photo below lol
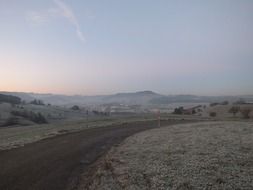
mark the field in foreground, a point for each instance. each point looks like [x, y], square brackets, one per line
[13, 137]
[61, 162]
[210, 155]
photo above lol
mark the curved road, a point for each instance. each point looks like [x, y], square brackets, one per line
[57, 163]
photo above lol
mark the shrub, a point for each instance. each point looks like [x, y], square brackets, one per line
[245, 112]
[75, 107]
[37, 102]
[178, 110]
[219, 103]
[241, 101]
[212, 114]
[11, 121]
[19, 113]
[214, 104]
[224, 103]
[35, 117]
[234, 110]
[95, 112]
[39, 118]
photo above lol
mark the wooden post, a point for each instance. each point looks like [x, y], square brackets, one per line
[87, 118]
[159, 118]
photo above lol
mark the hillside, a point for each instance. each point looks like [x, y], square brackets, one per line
[199, 99]
[142, 97]
[131, 98]
[9, 99]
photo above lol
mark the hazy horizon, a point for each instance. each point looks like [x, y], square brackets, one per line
[122, 92]
[98, 48]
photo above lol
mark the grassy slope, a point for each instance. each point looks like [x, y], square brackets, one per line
[222, 111]
[11, 137]
[213, 155]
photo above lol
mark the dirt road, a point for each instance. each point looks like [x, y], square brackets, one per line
[56, 163]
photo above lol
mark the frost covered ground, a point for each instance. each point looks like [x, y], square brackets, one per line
[210, 155]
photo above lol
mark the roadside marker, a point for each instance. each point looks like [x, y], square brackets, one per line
[158, 118]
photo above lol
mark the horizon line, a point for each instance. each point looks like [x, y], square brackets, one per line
[158, 93]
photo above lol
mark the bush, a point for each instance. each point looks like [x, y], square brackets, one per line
[241, 101]
[224, 103]
[11, 121]
[212, 114]
[75, 107]
[245, 112]
[37, 102]
[19, 113]
[178, 110]
[218, 103]
[214, 104]
[234, 110]
[39, 118]
[35, 117]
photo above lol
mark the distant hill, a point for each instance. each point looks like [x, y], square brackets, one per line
[10, 99]
[23, 95]
[199, 99]
[142, 97]
[131, 98]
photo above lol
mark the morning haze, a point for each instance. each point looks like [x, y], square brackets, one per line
[126, 94]
[94, 47]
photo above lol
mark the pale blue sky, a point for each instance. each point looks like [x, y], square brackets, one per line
[107, 46]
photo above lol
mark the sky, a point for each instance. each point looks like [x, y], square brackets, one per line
[91, 47]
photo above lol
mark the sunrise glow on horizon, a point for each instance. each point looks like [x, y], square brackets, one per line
[104, 47]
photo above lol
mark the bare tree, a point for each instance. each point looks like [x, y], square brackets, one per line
[234, 110]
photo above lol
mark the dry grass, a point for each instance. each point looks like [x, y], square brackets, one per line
[222, 111]
[210, 155]
[11, 137]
